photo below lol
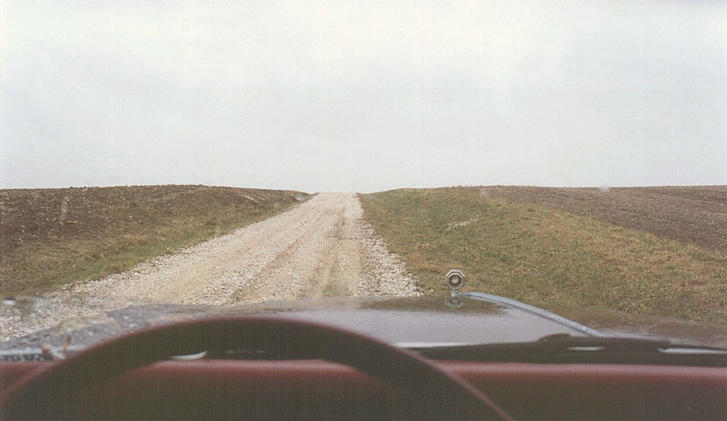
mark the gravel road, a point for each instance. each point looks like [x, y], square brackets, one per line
[320, 248]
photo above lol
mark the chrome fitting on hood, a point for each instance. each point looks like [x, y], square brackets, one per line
[455, 280]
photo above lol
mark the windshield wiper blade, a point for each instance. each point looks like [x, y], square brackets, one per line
[566, 348]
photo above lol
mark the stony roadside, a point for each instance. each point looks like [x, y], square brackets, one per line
[320, 248]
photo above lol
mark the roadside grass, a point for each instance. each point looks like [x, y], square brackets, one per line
[52, 237]
[546, 257]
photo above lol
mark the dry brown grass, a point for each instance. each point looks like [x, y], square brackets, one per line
[50, 237]
[547, 257]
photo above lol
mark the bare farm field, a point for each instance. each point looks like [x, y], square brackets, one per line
[695, 215]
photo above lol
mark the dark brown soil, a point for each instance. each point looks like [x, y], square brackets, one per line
[696, 215]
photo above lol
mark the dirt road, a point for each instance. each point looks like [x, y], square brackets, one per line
[319, 248]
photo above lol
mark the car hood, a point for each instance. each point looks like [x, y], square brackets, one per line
[407, 321]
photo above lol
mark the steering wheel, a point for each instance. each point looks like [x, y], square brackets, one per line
[447, 394]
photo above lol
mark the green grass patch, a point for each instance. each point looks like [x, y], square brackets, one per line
[546, 257]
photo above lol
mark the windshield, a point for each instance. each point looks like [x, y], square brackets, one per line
[161, 161]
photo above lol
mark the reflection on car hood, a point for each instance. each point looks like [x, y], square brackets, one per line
[410, 321]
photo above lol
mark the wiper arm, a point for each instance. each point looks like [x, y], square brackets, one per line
[564, 348]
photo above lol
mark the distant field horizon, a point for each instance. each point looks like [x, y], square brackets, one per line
[293, 188]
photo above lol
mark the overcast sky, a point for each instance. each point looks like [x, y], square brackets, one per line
[338, 96]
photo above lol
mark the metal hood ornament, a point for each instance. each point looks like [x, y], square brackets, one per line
[455, 280]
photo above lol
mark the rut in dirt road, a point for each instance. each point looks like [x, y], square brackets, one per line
[319, 248]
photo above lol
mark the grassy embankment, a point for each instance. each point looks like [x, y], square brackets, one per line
[51, 237]
[547, 257]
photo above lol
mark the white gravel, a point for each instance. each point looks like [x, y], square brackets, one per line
[320, 248]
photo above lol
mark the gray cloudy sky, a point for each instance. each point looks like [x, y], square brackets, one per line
[338, 96]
